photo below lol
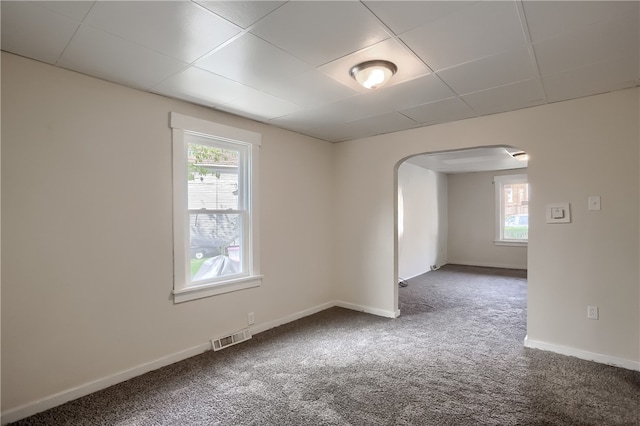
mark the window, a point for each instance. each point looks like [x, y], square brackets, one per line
[512, 209]
[214, 208]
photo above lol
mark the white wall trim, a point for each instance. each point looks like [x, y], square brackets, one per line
[579, 353]
[416, 275]
[185, 122]
[259, 328]
[367, 309]
[486, 264]
[186, 130]
[319, 308]
[60, 398]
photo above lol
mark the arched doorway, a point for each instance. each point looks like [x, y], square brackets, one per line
[424, 238]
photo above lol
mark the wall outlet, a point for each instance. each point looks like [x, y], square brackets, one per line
[592, 312]
[251, 319]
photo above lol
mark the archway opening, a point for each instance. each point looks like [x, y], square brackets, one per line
[461, 207]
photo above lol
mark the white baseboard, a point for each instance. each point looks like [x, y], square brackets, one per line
[305, 313]
[367, 309]
[59, 398]
[579, 353]
[486, 264]
[413, 276]
[424, 272]
[290, 318]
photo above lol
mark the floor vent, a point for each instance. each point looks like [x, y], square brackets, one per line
[225, 342]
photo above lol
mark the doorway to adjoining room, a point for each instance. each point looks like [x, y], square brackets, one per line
[465, 207]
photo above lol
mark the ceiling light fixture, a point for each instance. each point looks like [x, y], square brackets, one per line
[373, 74]
[521, 156]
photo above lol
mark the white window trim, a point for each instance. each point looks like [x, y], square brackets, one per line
[511, 243]
[182, 291]
[499, 182]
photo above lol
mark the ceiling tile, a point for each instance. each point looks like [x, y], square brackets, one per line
[491, 71]
[178, 29]
[484, 29]
[333, 29]
[205, 88]
[262, 105]
[441, 111]
[409, 66]
[71, 9]
[290, 66]
[402, 16]
[386, 123]
[97, 53]
[599, 42]
[336, 132]
[310, 118]
[242, 113]
[348, 110]
[371, 126]
[35, 32]
[309, 89]
[549, 19]
[419, 91]
[357, 107]
[252, 61]
[522, 94]
[199, 86]
[241, 13]
[469, 160]
[289, 122]
[333, 133]
[592, 79]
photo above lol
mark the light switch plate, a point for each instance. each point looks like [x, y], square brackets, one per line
[558, 213]
[594, 202]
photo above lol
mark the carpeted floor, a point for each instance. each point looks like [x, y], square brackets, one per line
[454, 357]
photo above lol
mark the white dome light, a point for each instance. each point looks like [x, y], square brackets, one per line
[373, 74]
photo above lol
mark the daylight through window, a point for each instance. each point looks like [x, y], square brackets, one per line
[512, 209]
[215, 212]
[217, 209]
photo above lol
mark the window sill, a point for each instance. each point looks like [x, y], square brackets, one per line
[512, 243]
[208, 290]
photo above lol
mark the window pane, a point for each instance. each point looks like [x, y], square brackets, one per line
[212, 178]
[215, 245]
[214, 208]
[516, 211]
[214, 237]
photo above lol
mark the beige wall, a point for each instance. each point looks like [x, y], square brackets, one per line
[578, 148]
[472, 212]
[86, 221]
[87, 240]
[422, 236]
[590, 147]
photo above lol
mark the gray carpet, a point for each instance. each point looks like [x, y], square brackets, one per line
[454, 357]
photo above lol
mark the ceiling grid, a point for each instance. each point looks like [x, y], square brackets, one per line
[287, 63]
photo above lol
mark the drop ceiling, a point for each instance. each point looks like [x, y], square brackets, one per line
[470, 160]
[287, 63]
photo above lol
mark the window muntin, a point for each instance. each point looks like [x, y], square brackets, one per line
[512, 209]
[215, 208]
